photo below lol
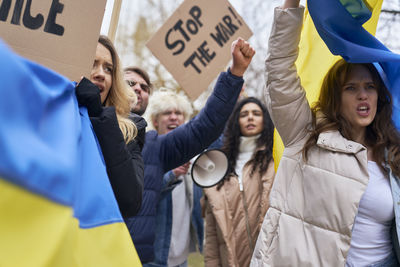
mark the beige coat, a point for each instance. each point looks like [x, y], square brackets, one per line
[227, 240]
[312, 205]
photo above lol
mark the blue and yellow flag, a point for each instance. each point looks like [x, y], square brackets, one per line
[315, 59]
[339, 23]
[57, 206]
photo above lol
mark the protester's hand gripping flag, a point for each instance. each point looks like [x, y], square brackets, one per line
[315, 59]
[57, 207]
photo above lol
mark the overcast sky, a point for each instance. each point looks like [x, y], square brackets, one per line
[237, 4]
[107, 17]
[388, 38]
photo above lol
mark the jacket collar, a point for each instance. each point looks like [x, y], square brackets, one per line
[334, 141]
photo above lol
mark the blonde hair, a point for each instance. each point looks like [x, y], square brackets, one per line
[120, 96]
[165, 99]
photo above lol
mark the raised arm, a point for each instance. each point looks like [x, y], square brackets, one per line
[285, 98]
[290, 4]
[189, 139]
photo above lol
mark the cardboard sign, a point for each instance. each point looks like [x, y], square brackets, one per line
[59, 34]
[194, 44]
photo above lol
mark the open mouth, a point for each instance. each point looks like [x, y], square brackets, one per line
[139, 98]
[363, 110]
[172, 126]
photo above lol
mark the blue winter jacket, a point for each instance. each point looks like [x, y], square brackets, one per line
[165, 217]
[162, 153]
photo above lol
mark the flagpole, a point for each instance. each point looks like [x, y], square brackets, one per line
[112, 30]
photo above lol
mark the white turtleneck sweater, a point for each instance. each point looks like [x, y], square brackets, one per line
[246, 149]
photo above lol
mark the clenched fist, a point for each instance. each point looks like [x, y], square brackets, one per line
[242, 54]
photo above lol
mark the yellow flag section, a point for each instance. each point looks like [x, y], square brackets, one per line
[315, 60]
[57, 206]
[37, 232]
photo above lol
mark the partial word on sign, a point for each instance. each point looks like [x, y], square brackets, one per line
[30, 21]
[190, 27]
[224, 31]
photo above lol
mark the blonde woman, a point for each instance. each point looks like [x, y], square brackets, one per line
[108, 100]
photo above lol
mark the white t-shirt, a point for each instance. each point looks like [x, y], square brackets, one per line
[371, 239]
[181, 215]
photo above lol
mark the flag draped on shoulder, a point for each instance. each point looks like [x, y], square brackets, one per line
[56, 203]
[316, 55]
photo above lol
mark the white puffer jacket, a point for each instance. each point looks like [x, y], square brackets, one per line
[312, 205]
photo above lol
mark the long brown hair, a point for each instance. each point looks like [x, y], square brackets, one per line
[120, 96]
[381, 134]
[261, 158]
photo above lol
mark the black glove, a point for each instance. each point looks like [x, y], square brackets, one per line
[88, 95]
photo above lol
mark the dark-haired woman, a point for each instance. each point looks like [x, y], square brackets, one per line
[236, 206]
[336, 194]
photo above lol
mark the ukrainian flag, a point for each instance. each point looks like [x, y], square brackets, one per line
[335, 20]
[340, 25]
[57, 207]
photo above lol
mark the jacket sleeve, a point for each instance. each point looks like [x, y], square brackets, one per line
[191, 138]
[124, 163]
[170, 181]
[211, 247]
[217, 144]
[267, 181]
[286, 99]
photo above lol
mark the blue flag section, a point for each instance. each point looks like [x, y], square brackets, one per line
[339, 23]
[56, 203]
[37, 111]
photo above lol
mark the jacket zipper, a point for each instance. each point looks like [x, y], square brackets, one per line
[250, 239]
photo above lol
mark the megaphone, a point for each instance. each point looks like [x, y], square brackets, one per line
[209, 168]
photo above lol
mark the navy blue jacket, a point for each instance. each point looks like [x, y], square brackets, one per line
[162, 153]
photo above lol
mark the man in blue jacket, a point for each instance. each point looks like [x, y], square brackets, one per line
[162, 153]
[179, 223]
